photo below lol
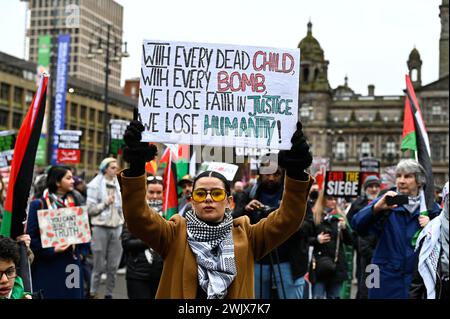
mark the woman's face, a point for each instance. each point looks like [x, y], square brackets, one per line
[330, 202]
[66, 183]
[154, 191]
[406, 183]
[210, 210]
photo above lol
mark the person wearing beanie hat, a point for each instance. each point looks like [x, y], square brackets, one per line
[105, 210]
[364, 245]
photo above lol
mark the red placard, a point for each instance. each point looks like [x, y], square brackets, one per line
[67, 156]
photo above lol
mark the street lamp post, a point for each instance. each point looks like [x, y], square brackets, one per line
[118, 54]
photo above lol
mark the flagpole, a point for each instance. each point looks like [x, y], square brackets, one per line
[168, 181]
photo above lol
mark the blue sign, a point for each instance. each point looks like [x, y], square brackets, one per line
[60, 91]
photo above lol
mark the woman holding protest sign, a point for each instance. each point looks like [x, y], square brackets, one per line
[207, 254]
[56, 270]
[329, 269]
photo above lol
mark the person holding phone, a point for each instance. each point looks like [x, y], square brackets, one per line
[395, 218]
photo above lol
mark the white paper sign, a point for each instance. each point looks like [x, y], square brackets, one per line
[227, 170]
[69, 225]
[218, 95]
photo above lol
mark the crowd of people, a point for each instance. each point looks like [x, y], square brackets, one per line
[281, 237]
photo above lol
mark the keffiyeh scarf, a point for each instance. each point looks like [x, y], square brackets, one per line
[213, 247]
[435, 238]
[55, 202]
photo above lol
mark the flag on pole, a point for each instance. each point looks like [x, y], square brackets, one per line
[22, 164]
[170, 196]
[415, 138]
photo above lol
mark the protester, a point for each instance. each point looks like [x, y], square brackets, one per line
[11, 285]
[144, 265]
[364, 245]
[48, 270]
[105, 209]
[395, 227]
[208, 254]
[184, 202]
[239, 197]
[280, 274]
[430, 279]
[329, 267]
[80, 189]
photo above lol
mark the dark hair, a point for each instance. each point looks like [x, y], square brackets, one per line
[225, 182]
[152, 179]
[55, 175]
[9, 251]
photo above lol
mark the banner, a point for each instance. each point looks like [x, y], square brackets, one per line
[7, 142]
[60, 92]
[368, 166]
[342, 184]
[44, 50]
[64, 226]
[227, 170]
[68, 147]
[218, 95]
[118, 128]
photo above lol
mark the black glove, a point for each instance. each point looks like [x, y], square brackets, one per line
[298, 158]
[135, 152]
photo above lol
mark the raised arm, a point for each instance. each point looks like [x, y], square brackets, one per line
[273, 230]
[282, 223]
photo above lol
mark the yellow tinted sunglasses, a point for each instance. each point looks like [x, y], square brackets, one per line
[217, 194]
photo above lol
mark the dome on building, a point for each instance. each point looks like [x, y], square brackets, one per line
[343, 90]
[310, 49]
[414, 55]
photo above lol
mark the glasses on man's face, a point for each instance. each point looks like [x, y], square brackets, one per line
[152, 178]
[10, 273]
[217, 194]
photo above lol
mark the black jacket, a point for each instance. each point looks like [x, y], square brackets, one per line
[364, 245]
[137, 265]
[329, 249]
[295, 249]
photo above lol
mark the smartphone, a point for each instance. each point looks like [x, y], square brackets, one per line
[397, 200]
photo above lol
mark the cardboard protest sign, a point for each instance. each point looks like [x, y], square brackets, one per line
[69, 225]
[342, 184]
[318, 169]
[68, 147]
[218, 95]
[118, 128]
[227, 170]
[7, 142]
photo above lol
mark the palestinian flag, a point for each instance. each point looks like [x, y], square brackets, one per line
[151, 167]
[415, 138]
[170, 196]
[22, 165]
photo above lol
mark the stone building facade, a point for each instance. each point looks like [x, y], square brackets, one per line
[345, 127]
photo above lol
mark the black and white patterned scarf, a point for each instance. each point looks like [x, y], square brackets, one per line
[213, 247]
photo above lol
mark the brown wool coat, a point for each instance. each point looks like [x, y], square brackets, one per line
[169, 238]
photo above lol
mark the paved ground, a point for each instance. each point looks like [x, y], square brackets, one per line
[120, 291]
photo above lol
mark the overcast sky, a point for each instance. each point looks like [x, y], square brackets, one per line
[367, 40]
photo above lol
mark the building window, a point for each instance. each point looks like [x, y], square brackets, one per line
[365, 150]
[29, 97]
[83, 113]
[17, 120]
[4, 91]
[18, 93]
[436, 110]
[340, 149]
[3, 118]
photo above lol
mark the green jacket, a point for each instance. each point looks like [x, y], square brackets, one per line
[18, 291]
